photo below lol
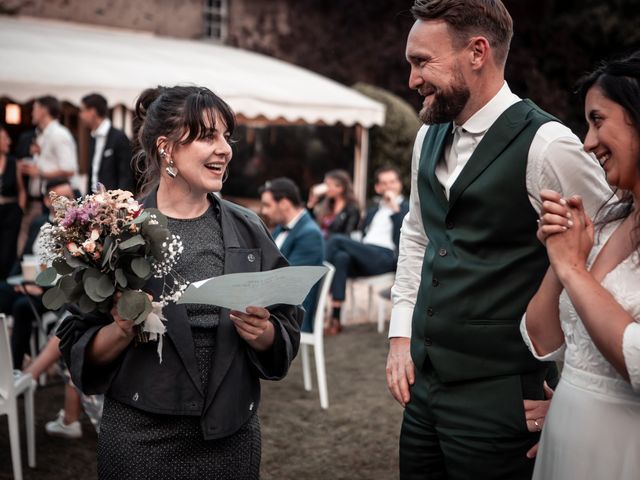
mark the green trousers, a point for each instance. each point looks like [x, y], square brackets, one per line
[468, 430]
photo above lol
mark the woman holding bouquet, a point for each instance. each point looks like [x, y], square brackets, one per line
[194, 414]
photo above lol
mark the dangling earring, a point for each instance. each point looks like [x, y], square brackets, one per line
[171, 169]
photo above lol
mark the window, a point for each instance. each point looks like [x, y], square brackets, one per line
[215, 15]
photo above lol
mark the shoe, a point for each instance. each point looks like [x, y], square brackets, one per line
[333, 328]
[57, 427]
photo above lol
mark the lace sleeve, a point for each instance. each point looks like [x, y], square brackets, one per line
[555, 355]
[631, 352]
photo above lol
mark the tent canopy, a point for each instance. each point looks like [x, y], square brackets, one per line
[69, 60]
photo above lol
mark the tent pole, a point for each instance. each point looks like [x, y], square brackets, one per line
[361, 164]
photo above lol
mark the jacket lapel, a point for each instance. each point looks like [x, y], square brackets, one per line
[507, 127]
[236, 259]
[436, 144]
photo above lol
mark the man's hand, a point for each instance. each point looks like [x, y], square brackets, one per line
[400, 369]
[390, 199]
[535, 412]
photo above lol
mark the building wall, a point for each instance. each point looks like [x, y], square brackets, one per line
[259, 25]
[174, 18]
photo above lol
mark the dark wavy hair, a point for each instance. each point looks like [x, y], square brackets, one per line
[619, 81]
[183, 114]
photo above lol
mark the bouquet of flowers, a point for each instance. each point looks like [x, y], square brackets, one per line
[105, 243]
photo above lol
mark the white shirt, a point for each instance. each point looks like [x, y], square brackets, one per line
[380, 231]
[556, 161]
[57, 152]
[282, 236]
[100, 136]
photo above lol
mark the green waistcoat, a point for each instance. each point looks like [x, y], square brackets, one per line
[483, 262]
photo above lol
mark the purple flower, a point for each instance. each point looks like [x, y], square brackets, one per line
[69, 217]
[87, 212]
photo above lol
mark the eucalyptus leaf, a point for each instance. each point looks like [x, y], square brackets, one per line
[141, 218]
[67, 284]
[135, 241]
[141, 267]
[74, 262]
[107, 250]
[61, 266]
[47, 277]
[92, 290]
[54, 298]
[131, 304]
[145, 313]
[121, 278]
[86, 305]
[105, 286]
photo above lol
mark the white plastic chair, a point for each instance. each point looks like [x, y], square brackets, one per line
[316, 340]
[12, 384]
[374, 283]
[40, 336]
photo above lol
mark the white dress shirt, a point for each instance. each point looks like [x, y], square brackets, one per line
[100, 136]
[57, 152]
[556, 161]
[380, 231]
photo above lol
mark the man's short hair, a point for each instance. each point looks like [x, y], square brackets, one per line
[51, 104]
[282, 187]
[384, 169]
[97, 102]
[466, 18]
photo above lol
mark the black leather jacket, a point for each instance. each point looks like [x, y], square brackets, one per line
[173, 387]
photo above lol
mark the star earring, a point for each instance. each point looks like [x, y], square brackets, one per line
[171, 169]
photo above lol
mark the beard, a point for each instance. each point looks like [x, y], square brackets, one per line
[447, 104]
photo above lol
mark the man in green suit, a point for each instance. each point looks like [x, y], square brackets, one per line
[469, 258]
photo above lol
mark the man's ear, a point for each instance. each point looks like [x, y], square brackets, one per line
[479, 51]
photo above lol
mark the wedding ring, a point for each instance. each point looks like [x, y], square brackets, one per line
[538, 426]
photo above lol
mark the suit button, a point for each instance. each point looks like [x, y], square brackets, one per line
[251, 257]
[193, 405]
[435, 282]
[136, 397]
[428, 342]
[430, 311]
[442, 252]
[449, 224]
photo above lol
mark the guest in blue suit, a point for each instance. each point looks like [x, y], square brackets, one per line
[297, 235]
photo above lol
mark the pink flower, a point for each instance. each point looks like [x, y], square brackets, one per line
[74, 249]
[89, 246]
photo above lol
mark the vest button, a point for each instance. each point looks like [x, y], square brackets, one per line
[435, 282]
[442, 252]
[428, 342]
[449, 224]
[430, 311]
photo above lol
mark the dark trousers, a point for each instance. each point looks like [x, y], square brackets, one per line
[10, 218]
[467, 430]
[355, 259]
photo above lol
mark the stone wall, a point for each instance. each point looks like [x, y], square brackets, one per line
[174, 18]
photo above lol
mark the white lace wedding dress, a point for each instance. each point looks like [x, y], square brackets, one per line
[592, 429]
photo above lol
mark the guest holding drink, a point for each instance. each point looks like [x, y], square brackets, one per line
[334, 205]
[587, 310]
[193, 415]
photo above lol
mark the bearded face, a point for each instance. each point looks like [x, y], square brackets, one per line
[444, 104]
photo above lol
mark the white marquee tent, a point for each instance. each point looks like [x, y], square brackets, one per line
[69, 60]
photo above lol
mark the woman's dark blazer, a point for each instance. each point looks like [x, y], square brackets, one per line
[173, 387]
[346, 221]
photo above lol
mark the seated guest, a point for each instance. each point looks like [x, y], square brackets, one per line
[334, 205]
[109, 151]
[378, 251]
[13, 300]
[296, 235]
[67, 423]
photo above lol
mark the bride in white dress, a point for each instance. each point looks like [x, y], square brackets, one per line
[587, 310]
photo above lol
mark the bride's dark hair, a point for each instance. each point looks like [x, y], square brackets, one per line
[182, 114]
[619, 81]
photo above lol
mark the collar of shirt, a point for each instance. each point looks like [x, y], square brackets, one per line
[480, 121]
[294, 221]
[102, 130]
[49, 129]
